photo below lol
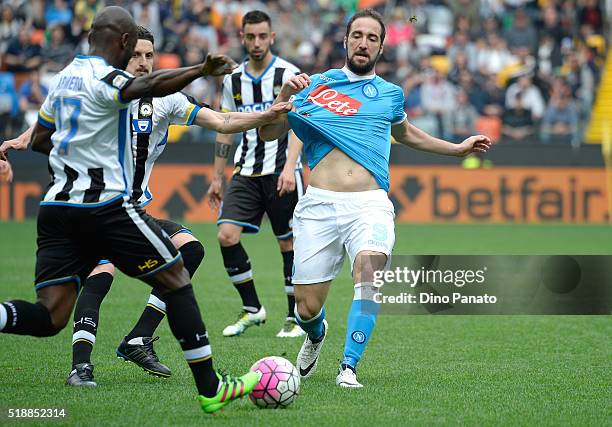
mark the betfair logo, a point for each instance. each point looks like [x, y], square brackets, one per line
[149, 264]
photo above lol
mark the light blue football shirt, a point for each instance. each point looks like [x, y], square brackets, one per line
[351, 112]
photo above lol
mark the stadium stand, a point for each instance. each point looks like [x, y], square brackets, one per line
[526, 69]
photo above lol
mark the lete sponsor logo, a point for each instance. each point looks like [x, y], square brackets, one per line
[334, 101]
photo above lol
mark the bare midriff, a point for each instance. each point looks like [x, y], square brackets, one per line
[338, 172]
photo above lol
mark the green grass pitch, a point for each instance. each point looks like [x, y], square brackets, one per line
[418, 370]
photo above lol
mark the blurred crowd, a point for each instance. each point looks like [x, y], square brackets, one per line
[513, 69]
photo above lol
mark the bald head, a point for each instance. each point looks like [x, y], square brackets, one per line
[113, 35]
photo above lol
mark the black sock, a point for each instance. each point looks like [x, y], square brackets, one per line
[87, 315]
[151, 317]
[238, 267]
[288, 272]
[155, 310]
[188, 328]
[193, 254]
[26, 318]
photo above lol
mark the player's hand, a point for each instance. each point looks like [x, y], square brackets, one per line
[295, 85]
[215, 193]
[474, 144]
[286, 181]
[6, 171]
[14, 144]
[218, 65]
[277, 110]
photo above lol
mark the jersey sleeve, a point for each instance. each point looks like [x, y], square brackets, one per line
[398, 114]
[46, 114]
[227, 98]
[182, 109]
[109, 90]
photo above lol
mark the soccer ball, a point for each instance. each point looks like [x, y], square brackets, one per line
[279, 384]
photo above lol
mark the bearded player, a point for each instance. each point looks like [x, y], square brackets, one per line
[345, 119]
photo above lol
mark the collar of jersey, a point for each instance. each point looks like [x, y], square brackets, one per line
[258, 79]
[91, 56]
[356, 77]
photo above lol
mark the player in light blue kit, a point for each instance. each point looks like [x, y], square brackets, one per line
[345, 119]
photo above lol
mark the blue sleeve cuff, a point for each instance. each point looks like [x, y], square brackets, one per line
[45, 123]
[193, 115]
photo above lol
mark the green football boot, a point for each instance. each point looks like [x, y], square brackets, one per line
[230, 388]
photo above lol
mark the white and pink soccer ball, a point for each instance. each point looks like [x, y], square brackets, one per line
[279, 384]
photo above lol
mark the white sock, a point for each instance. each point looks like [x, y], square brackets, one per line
[3, 317]
[136, 341]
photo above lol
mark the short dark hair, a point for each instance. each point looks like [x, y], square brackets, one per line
[144, 34]
[255, 17]
[368, 13]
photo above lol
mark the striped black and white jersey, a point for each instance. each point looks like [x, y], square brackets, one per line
[151, 118]
[91, 161]
[244, 93]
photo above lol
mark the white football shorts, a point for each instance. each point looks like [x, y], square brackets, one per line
[326, 224]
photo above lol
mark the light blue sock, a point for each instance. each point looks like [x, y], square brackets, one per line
[313, 327]
[360, 323]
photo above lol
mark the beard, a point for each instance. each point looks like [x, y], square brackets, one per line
[261, 55]
[361, 68]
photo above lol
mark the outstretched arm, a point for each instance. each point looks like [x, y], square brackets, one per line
[280, 127]
[407, 134]
[19, 143]
[165, 82]
[232, 122]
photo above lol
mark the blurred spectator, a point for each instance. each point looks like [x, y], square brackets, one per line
[9, 27]
[58, 13]
[494, 55]
[9, 106]
[399, 30]
[31, 96]
[86, 10]
[463, 45]
[521, 33]
[518, 122]
[560, 123]
[147, 14]
[477, 97]
[203, 33]
[459, 66]
[523, 63]
[494, 99]
[549, 56]
[439, 19]
[21, 54]
[580, 76]
[470, 9]
[438, 98]
[59, 52]
[590, 14]
[524, 95]
[551, 25]
[414, 105]
[461, 121]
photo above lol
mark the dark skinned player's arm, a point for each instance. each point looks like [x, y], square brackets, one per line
[161, 83]
[166, 82]
[41, 139]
